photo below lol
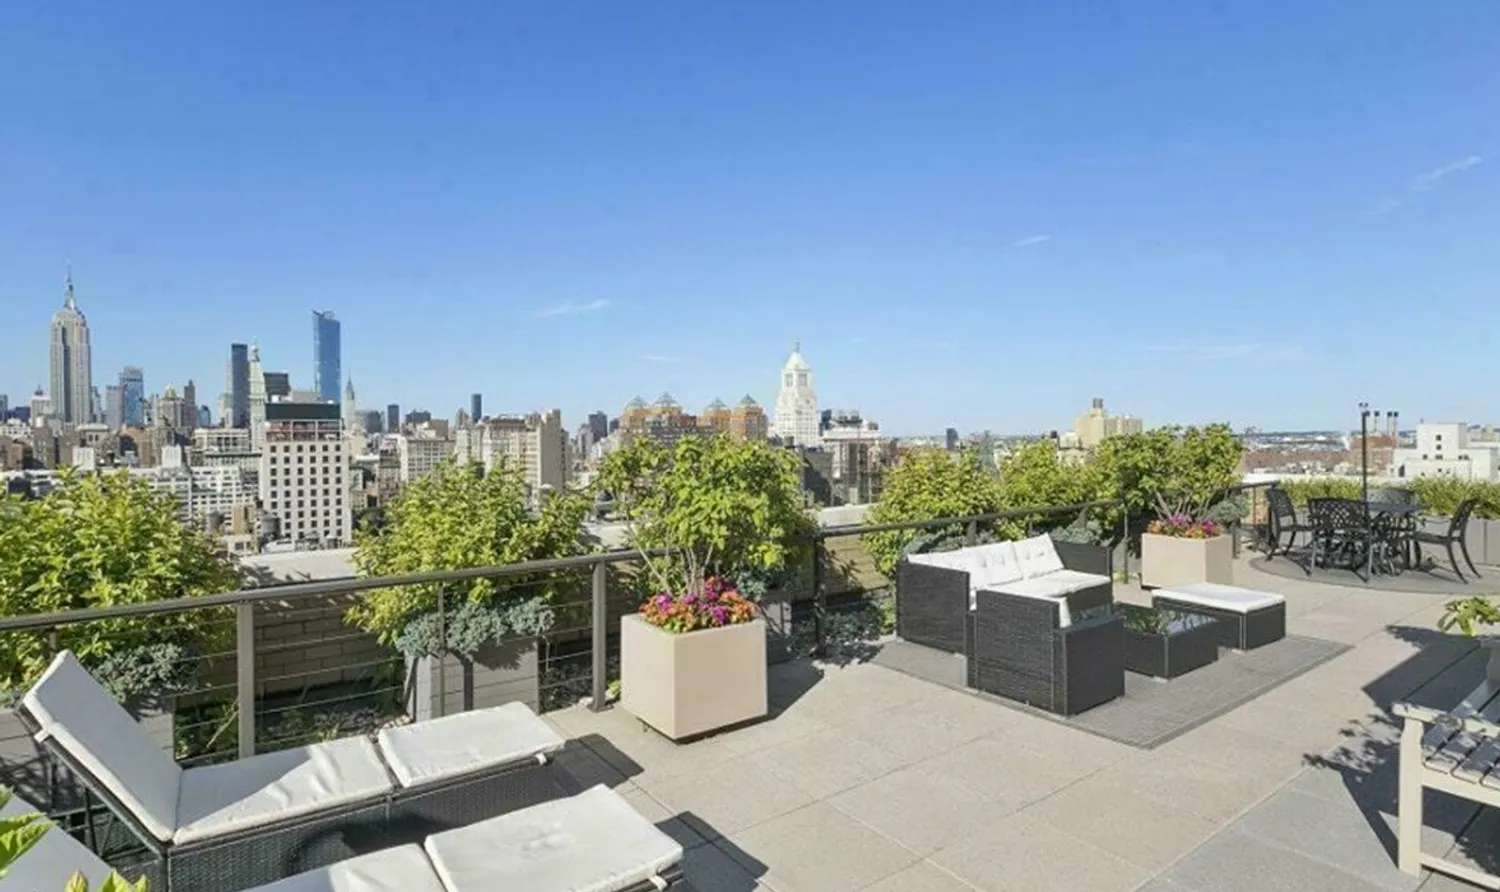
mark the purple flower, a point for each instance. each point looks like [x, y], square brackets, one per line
[718, 613]
[663, 601]
[691, 599]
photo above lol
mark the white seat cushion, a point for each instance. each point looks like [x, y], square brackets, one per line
[1221, 597]
[70, 707]
[53, 860]
[235, 796]
[402, 869]
[947, 560]
[592, 842]
[1075, 580]
[465, 743]
[1037, 556]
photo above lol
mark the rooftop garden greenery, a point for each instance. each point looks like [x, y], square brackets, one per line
[457, 517]
[1189, 470]
[724, 508]
[105, 541]
[1438, 496]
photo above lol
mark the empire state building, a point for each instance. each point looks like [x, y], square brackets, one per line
[72, 363]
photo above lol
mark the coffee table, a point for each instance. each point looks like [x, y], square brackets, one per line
[1248, 618]
[1166, 643]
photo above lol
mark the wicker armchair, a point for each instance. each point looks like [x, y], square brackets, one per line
[1020, 648]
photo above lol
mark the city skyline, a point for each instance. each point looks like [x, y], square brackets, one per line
[964, 227]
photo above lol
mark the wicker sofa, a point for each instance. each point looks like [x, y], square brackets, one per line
[1034, 619]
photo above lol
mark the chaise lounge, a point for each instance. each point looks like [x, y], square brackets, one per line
[593, 841]
[274, 814]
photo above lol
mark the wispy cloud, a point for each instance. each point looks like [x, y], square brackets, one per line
[1424, 182]
[657, 357]
[1029, 241]
[1266, 349]
[571, 309]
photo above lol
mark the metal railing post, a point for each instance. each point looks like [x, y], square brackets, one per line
[244, 660]
[820, 604]
[600, 637]
[1125, 540]
[442, 656]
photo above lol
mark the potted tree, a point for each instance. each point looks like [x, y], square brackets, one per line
[712, 517]
[472, 643]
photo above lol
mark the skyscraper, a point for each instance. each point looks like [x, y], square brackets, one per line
[393, 418]
[598, 426]
[114, 407]
[797, 418]
[326, 356]
[190, 400]
[239, 386]
[351, 408]
[257, 376]
[132, 397]
[476, 406]
[72, 363]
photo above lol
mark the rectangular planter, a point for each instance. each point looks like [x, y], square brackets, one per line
[23, 769]
[688, 685]
[498, 674]
[1170, 560]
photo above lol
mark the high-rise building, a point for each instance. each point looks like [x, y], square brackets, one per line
[114, 407]
[392, 418]
[327, 362]
[72, 362]
[350, 408]
[476, 406]
[714, 417]
[536, 444]
[239, 386]
[132, 396]
[419, 455]
[418, 416]
[4, 406]
[190, 407]
[598, 426]
[302, 471]
[257, 414]
[950, 439]
[371, 421]
[1096, 425]
[797, 419]
[278, 385]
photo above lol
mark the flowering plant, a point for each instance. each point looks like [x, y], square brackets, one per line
[1182, 526]
[717, 602]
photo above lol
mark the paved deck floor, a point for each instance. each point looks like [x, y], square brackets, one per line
[868, 779]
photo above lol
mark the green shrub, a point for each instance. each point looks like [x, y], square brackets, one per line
[928, 484]
[1179, 470]
[459, 517]
[106, 541]
[1442, 495]
[1321, 488]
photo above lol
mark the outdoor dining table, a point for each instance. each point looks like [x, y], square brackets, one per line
[1399, 521]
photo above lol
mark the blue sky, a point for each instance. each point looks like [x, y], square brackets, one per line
[977, 214]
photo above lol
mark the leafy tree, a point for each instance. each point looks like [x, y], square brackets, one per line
[1035, 476]
[460, 517]
[725, 507]
[105, 541]
[1166, 470]
[928, 484]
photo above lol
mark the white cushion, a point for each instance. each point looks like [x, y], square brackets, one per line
[592, 842]
[947, 560]
[1221, 597]
[1075, 580]
[53, 860]
[70, 707]
[234, 796]
[1001, 563]
[402, 869]
[1037, 556]
[466, 742]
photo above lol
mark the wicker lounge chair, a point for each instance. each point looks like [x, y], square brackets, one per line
[279, 813]
[596, 842]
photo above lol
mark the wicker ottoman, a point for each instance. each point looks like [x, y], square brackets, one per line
[1247, 618]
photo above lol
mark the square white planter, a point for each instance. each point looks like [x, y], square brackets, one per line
[1171, 560]
[687, 685]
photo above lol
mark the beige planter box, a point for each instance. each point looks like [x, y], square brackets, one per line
[1168, 560]
[687, 685]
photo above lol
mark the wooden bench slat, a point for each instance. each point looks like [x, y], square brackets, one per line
[1451, 755]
